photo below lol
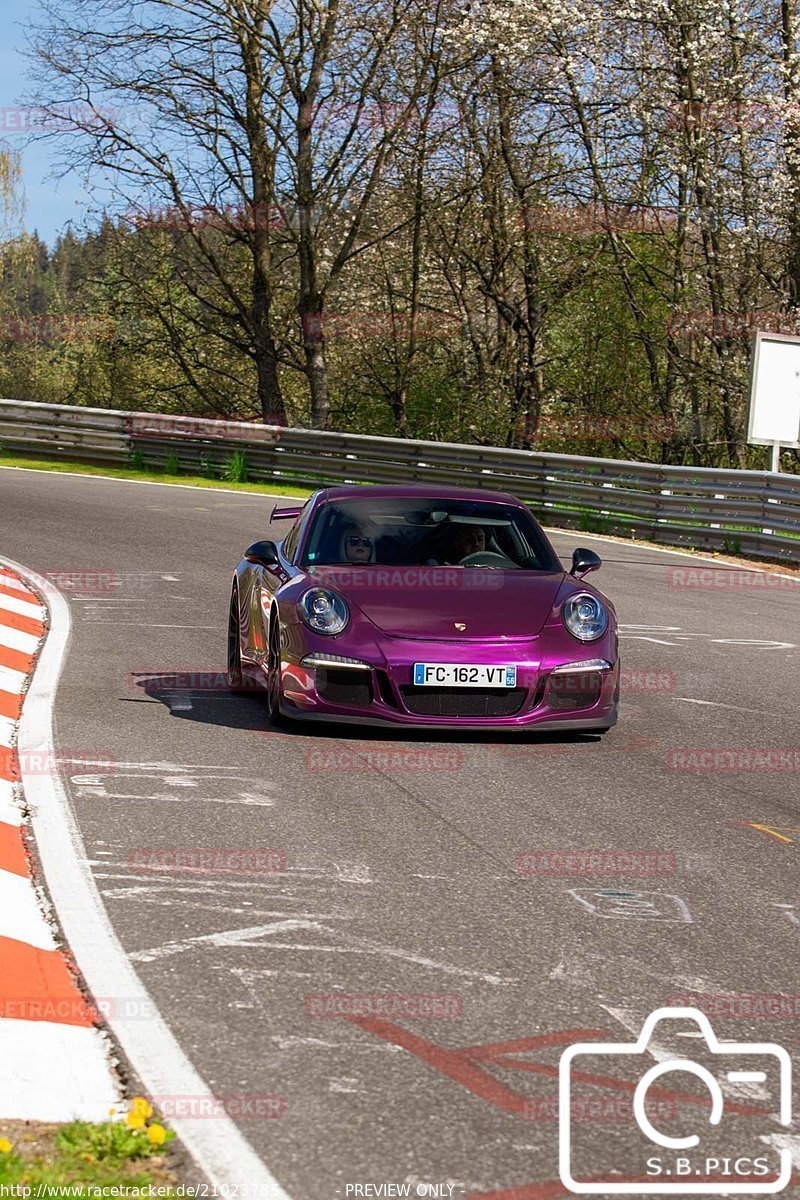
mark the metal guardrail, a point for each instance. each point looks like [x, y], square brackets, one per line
[749, 512]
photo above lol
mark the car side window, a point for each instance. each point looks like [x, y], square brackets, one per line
[293, 536]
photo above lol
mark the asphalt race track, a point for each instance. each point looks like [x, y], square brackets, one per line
[402, 856]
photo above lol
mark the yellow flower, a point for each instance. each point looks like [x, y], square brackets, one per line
[88, 1158]
[157, 1135]
[5, 1146]
[141, 1107]
[112, 1112]
[135, 1120]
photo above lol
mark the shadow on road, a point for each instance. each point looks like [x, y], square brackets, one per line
[206, 697]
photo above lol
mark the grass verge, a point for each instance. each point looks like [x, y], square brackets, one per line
[72, 468]
[52, 1162]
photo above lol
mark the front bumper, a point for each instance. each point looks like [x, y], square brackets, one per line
[556, 689]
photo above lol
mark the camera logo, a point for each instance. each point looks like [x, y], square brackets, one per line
[685, 1163]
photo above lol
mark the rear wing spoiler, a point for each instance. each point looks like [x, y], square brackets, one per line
[287, 512]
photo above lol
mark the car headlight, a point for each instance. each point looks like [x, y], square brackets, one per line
[585, 617]
[323, 611]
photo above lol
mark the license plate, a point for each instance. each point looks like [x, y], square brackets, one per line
[463, 675]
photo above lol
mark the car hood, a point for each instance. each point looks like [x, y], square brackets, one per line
[429, 602]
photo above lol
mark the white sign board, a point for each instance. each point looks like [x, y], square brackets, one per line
[775, 391]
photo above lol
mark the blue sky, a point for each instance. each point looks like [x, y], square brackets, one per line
[51, 203]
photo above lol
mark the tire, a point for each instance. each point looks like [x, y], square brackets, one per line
[276, 717]
[235, 673]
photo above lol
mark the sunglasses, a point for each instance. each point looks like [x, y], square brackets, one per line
[354, 540]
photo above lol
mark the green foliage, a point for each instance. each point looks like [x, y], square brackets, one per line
[76, 468]
[112, 1143]
[235, 468]
[591, 523]
[171, 465]
[81, 1155]
[81, 326]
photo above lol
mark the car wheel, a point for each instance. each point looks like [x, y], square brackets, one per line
[274, 672]
[235, 675]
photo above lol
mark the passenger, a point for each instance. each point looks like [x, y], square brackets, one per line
[357, 547]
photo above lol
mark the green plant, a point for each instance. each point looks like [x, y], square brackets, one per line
[208, 467]
[589, 523]
[235, 469]
[119, 1154]
[732, 545]
[136, 460]
[171, 465]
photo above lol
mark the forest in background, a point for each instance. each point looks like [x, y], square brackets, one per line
[509, 222]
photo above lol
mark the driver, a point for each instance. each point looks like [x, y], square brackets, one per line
[466, 540]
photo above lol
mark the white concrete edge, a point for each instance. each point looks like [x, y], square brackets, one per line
[216, 1145]
[55, 1072]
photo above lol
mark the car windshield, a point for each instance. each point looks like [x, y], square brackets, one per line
[429, 532]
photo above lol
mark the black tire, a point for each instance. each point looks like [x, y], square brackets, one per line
[274, 672]
[235, 673]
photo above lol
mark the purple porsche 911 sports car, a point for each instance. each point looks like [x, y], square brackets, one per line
[433, 607]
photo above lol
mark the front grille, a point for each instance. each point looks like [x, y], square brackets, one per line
[340, 685]
[569, 692]
[463, 702]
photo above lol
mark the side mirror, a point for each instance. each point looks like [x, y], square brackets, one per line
[264, 553]
[584, 561]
